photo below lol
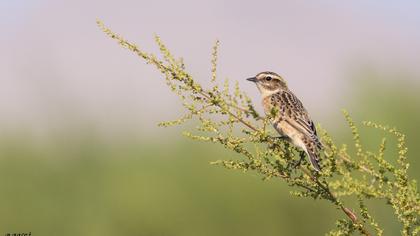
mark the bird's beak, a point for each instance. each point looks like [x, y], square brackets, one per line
[252, 79]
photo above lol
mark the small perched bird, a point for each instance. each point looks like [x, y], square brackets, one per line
[291, 119]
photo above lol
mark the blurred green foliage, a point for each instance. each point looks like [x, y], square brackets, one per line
[93, 188]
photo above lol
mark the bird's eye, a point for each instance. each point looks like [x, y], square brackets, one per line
[268, 78]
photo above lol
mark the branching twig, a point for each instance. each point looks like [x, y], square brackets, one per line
[223, 114]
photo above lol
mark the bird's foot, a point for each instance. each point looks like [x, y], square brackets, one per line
[278, 138]
[302, 157]
[282, 138]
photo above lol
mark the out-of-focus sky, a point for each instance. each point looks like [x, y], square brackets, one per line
[57, 68]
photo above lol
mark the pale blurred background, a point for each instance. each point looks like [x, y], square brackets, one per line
[80, 152]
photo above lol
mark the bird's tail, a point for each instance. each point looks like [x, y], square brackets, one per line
[313, 158]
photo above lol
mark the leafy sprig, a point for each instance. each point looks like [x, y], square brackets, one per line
[226, 116]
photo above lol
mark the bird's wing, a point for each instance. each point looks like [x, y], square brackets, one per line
[292, 111]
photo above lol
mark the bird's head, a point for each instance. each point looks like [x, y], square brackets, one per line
[268, 82]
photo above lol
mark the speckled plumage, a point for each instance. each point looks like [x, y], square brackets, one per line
[291, 119]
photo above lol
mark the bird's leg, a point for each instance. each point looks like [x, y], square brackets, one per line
[302, 157]
[282, 138]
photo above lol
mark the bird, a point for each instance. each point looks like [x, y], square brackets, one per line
[288, 115]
